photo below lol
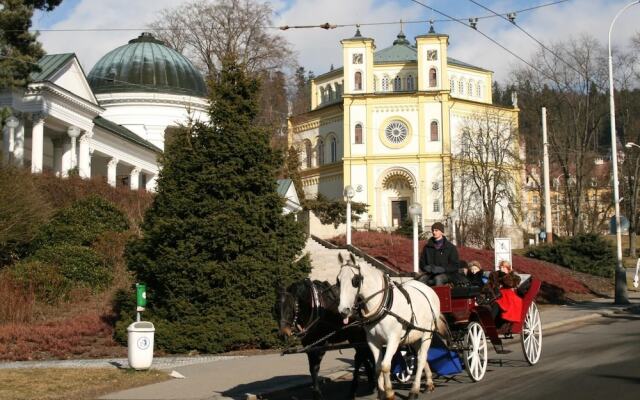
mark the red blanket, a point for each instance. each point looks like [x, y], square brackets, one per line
[510, 304]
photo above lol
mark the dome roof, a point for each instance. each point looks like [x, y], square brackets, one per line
[146, 65]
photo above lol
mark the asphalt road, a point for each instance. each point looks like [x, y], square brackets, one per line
[599, 360]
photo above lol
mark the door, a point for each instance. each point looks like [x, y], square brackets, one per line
[398, 212]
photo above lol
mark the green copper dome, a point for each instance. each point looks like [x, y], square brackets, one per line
[146, 65]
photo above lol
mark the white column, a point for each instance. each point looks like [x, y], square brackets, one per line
[152, 183]
[7, 141]
[134, 178]
[58, 145]
[84, 162]
[18, 148]
[111, 171]
[37, 143]
[66, 162]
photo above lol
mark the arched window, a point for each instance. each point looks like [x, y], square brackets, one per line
[323, 96]
[410, 82]
[461, 86]
[479, 89]
[334, 150]
[470, 88]
[397, 84]
[436, 206]
[452, 85]
[357, 81]
[308, 153]
[320, 151]
[434, 131]
[385, 83]
[358, 134]
[329, 93]
[433, 78]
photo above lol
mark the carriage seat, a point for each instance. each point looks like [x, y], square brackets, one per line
[468, 291]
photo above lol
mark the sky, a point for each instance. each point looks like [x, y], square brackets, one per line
[317, 49]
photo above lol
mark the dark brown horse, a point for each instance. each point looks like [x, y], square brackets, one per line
[309, 309]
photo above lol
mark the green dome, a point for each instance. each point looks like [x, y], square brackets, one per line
[146, 65]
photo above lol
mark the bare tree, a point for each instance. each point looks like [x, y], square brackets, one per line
[209, 30]
[575, 97]
[487, 168]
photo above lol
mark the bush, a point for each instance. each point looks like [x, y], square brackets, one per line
[80, 265]
[17, 301]
[82, 223]
[334, 211]
[406, 229]
[45, 280]
[589, 253]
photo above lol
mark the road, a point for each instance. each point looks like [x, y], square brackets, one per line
[599, 360]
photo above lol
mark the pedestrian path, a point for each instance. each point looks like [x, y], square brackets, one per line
[162, 363]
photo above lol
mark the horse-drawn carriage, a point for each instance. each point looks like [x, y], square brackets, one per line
[415, 314]
[470, 324]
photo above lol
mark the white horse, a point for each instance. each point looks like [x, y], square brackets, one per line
[391, 317]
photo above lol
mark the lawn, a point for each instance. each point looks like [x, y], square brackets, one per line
[71, 383]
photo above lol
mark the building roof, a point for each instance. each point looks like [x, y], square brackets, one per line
[49, 65]
[124, 133]
[145, 64]
[283, 186]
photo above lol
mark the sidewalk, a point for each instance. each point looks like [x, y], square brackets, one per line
[224, 377]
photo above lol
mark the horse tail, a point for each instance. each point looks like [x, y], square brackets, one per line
[442, 327]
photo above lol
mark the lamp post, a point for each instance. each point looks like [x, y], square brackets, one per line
[12, 123]
[349, 193]
[415, 211]
[621, 296]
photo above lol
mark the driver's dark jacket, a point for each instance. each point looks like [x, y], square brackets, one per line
[445, 257]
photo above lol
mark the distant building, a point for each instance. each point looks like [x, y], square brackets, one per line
[388, 123]
[110, 123]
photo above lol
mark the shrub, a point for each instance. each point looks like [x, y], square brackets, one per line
[589, 253]
[79, 264]
[45, 280]
[22, 212]
[82, 223]
[17, 301]
[334, 211]
[406, 229]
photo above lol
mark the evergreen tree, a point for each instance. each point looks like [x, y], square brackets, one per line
[215, 244]
[292, 171]
[19, 50]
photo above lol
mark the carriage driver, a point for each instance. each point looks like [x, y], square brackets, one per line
[439, 258]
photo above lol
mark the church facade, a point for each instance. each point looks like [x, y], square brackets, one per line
[108, 124]
[388, 124]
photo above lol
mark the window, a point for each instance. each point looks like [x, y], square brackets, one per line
[435, 186]
[452, 85]
[479, 89]
[358, 134]
[320, 150]
[329, 90]
[397, 84]
[385, 83]
[436, 206]
[433, 77]
[334, 150]
[308, 151]
[461, 86]
[396, 132]
[470, 88]
[410, 82]
[432, 55]
[357, 81]
[357, 58]
[434, 131]
[323, 96]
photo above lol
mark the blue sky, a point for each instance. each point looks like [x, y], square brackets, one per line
[317, 49]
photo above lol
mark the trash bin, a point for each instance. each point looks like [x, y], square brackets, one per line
[140, 343]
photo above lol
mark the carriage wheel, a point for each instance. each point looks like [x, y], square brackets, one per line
[407, 366]
[531, 336]
[475, 351]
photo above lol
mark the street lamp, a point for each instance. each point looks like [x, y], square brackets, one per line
[630, 145]
[415, 211]
[349, 193]
[621, 296]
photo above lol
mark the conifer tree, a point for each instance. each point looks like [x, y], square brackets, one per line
[215, 244]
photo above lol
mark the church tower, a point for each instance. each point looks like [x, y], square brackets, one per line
[357, 53]
[432, 61]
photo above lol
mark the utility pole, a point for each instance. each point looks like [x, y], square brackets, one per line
[547, 187]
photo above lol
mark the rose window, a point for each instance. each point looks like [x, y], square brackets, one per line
[396, 132]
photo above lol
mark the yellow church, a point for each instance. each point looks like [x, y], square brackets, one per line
[387, 123]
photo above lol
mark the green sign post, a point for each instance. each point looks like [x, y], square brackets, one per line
[141, 298]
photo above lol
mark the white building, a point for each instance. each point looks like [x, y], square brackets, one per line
[110, 123]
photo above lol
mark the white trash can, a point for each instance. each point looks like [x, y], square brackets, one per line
[140, 343]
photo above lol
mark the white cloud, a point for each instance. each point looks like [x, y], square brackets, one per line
[317, 48]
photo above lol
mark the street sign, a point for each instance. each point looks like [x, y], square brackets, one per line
[543, 236]
[502, 251]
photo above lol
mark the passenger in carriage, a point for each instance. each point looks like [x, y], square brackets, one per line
[439, 258]
[475, 274]
[508, 303]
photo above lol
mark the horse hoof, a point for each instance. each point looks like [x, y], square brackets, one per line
[431, 387]
[413, 396]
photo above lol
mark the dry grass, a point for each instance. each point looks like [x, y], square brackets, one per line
[72, 383]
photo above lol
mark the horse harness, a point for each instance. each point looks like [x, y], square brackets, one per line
[387, 302]
[317, 310]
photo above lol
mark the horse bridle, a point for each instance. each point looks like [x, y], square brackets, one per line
[356, 282]
[314, 315]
